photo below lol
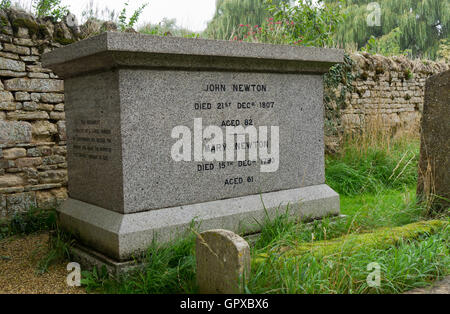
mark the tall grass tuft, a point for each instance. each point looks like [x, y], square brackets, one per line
[374, 160]
[168, 269]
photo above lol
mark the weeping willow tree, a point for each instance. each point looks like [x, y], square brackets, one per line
[231, 13]
[420, 25]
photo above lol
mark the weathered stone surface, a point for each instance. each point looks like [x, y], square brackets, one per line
[14, 153]
[11, 65]
[53, 160]
[15, 132]
[16, 49]
[9, 106]
[9, 180]
[51, 199]
[6, 164]
[223, 262]
[52, 98]
[434, 166]
[29, 106]
[20, 202]
[28, 162]
[53, 176]
[34, 85]
[62, 130]
[44, 128]
[25, 115]
[6, 96]
[201, 54]
[40, 151]
[22, 96]
[24, 42]
[57, 115]
[8, 73]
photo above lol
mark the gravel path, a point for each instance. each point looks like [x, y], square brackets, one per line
[18, 259]
[440, 287]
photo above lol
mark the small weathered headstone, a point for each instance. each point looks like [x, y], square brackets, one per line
[434, 167]
[223, 262]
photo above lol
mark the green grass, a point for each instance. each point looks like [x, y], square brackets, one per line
[168, 269]
[404, 266]
[357, 171]
[28, 222]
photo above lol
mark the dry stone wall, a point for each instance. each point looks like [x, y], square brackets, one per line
[33, 169]
[387, 93]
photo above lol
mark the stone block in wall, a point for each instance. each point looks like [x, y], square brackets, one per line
[6, 96]
[53, 160]
[20, 50]
[20, 202]
[22, 96]
[53, 176]
[34, 85]
[24, 42]
[52, 98]
[43, 128]
[62, 130]
[14, 153]
[10, 180]
[15, 132]
[10, 106]
[29, 106]
[51, 199]
[11, 65]
[28, 162]
[57, 115]
[27, 115]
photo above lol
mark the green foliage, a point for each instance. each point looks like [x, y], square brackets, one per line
[387, 45]
[444, 50]
[230, 13]
[354, 171]
[5, 4]
[168, 27]
[420, 24]
[168, 269]
[52, 8]
[31, 221]
[351, 243]
[405, 265]
[300, 23]
[339, 78]
[123, 24]
[306, 22]
[60, 244]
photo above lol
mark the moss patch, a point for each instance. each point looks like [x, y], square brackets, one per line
[32, 26]
[349, 244]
